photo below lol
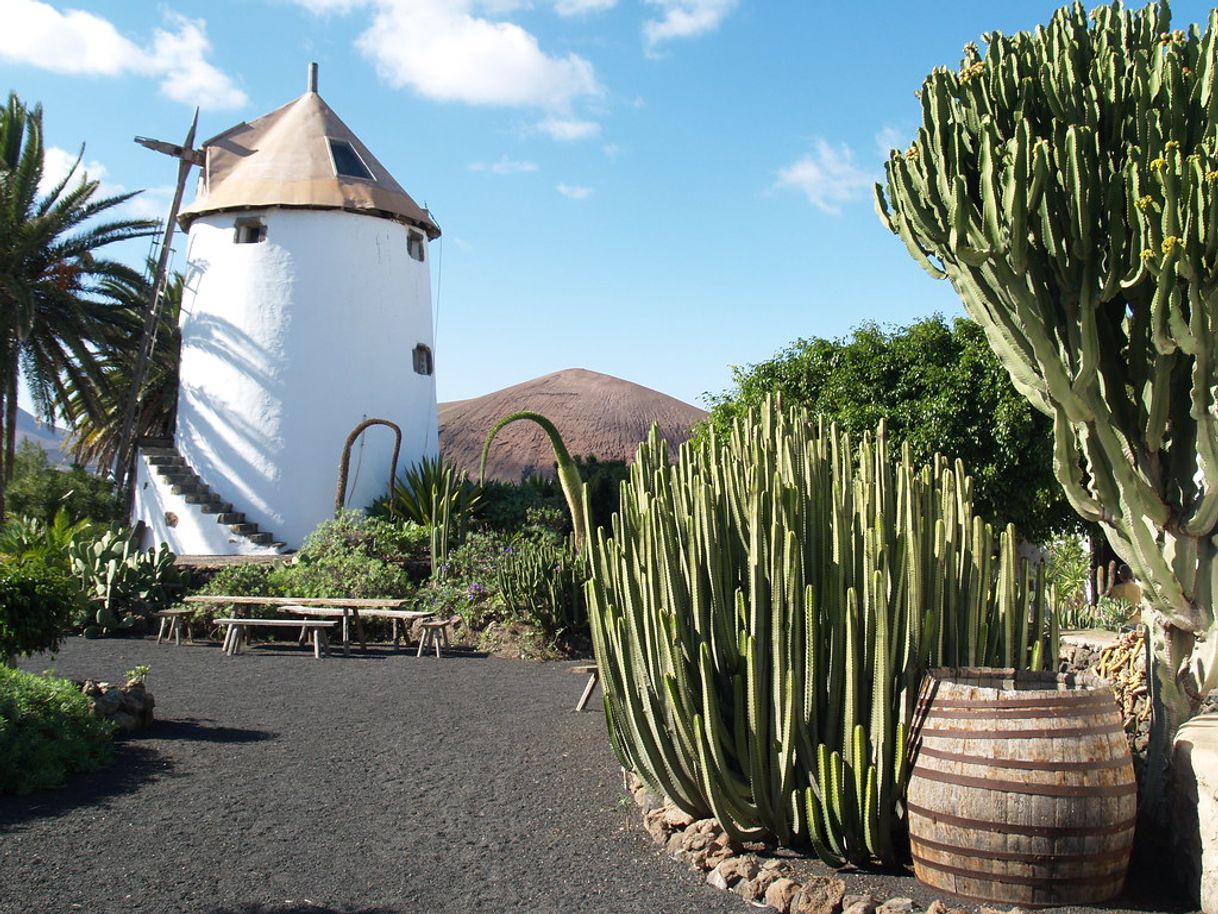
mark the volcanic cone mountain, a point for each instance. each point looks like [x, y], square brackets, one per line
[598, 416]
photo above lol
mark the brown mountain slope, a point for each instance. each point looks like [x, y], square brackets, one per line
[598, 416]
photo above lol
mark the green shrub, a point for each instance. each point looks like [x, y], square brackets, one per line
[355, 532]
[31, 538]
[40, 490]
[46, 732]
[37, 604]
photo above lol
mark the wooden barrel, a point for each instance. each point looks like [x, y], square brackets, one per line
[1021, 789]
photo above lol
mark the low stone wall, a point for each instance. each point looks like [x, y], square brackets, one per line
[129, 706]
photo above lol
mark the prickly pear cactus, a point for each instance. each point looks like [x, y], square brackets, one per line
[1066, 183]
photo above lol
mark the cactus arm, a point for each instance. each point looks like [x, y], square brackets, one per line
[568, 474]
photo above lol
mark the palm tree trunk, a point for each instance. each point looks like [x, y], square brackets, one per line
[10, 427]
[3, 462]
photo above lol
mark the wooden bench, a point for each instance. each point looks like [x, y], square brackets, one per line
[398, 617]
[172, 621]
[594, 675]
[235, 633]
[348, 607]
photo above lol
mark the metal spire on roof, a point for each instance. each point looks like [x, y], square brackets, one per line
[313, 78]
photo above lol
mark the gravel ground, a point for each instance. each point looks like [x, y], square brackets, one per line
[274, 783]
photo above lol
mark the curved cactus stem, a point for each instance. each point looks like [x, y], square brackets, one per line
[568, 474]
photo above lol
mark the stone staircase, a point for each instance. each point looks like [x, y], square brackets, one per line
[175, 472]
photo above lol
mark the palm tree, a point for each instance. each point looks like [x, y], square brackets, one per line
[95, 411]
[53, 318]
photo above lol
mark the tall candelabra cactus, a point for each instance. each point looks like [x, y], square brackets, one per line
[764, 609]
[1066, 183]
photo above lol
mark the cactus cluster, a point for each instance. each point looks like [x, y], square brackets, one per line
[1066, 183]
[544, 582]
[763, 611]
[122, 582]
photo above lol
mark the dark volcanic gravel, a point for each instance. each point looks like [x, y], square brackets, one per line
[274, 783]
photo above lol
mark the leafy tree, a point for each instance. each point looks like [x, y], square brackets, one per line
[39, 489]
[1066, 183]
[53, 321]
[941, 389]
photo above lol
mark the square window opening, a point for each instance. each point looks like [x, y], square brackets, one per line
[249, 231]
[415, 246]
[423, 362]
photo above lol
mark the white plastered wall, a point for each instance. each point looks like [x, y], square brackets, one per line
[289, 343]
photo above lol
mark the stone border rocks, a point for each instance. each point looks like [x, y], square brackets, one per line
[763, 882]
[129, 706]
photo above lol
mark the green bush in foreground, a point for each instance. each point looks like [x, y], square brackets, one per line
[37, 603]
[47, 732]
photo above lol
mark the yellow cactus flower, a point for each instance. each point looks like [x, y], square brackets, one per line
[1158, 164]
[1169, 244]
[1148, 255]
[1143, 203]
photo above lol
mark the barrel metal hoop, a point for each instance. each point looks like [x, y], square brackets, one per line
[963, 703]
[1120, 853]
[1100, 879]
[1036, 790]
[1023, 734]
[1021, 764]
[1034, 831]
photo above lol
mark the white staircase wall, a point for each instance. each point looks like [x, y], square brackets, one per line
[183, 527]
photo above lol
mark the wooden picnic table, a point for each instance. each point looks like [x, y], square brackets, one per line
[335, 606]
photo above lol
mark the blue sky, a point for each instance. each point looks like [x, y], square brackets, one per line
[654, 189]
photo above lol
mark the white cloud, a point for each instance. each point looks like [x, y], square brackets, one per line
[568, 130]
[444, 51]
[504, 166]
[582, 7]
[574, 191]
[57, 163]
[324, 7]
[79, 43]
[684, 19]
[828, 177]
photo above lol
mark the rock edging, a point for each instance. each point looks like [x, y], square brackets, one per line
[704, 846]
[129, 706]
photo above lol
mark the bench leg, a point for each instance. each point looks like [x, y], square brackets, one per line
[423, 641]
[436, 638]
[175, 630]
[317, 636]
[396, 636]
[359, 630]
[161, 631]
[346, 632]
[229, 632]
[583, 699]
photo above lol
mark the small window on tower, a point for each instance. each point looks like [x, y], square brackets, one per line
[422, 360]
[414, 245]
[347, 162]
[249, 231]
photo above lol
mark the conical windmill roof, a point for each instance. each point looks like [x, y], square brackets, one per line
[284, 159]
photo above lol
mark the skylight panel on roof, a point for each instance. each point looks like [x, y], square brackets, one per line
[347, 163]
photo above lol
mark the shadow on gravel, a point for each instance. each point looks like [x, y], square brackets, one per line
[134, 766]
[302, 908]
[198, 730]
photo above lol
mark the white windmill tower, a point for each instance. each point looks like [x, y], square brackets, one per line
[307, 309]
